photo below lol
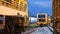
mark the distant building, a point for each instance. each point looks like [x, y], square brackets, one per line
[32, 19]
[43, 18]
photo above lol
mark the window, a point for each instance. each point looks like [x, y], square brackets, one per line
[16, 6]
[9, 1]
[21, 5]
[1, 20]
[41, 16]
[41, 20]
[25, 6]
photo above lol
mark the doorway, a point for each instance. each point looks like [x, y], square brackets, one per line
[9, 24]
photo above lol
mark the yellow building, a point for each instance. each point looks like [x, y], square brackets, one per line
[20, 5]
[43, 19]
[14, 11]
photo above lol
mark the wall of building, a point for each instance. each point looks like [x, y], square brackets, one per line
[10, 12]
[56, 9]
[56, 16]
[19, 5]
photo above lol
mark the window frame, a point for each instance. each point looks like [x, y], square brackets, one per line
[25, 6]
[21, 5]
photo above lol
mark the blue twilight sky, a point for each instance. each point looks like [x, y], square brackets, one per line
[36, 6]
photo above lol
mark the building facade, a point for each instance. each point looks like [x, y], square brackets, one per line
[43, 19]
[14, 11]
[20, 5]
[56, 16]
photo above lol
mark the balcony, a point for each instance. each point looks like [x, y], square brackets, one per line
[13, 5]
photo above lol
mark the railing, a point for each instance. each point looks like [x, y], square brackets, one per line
[13, 5]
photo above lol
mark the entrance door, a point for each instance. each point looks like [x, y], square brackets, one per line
[9, 23]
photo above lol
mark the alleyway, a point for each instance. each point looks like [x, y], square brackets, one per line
[39, 30]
